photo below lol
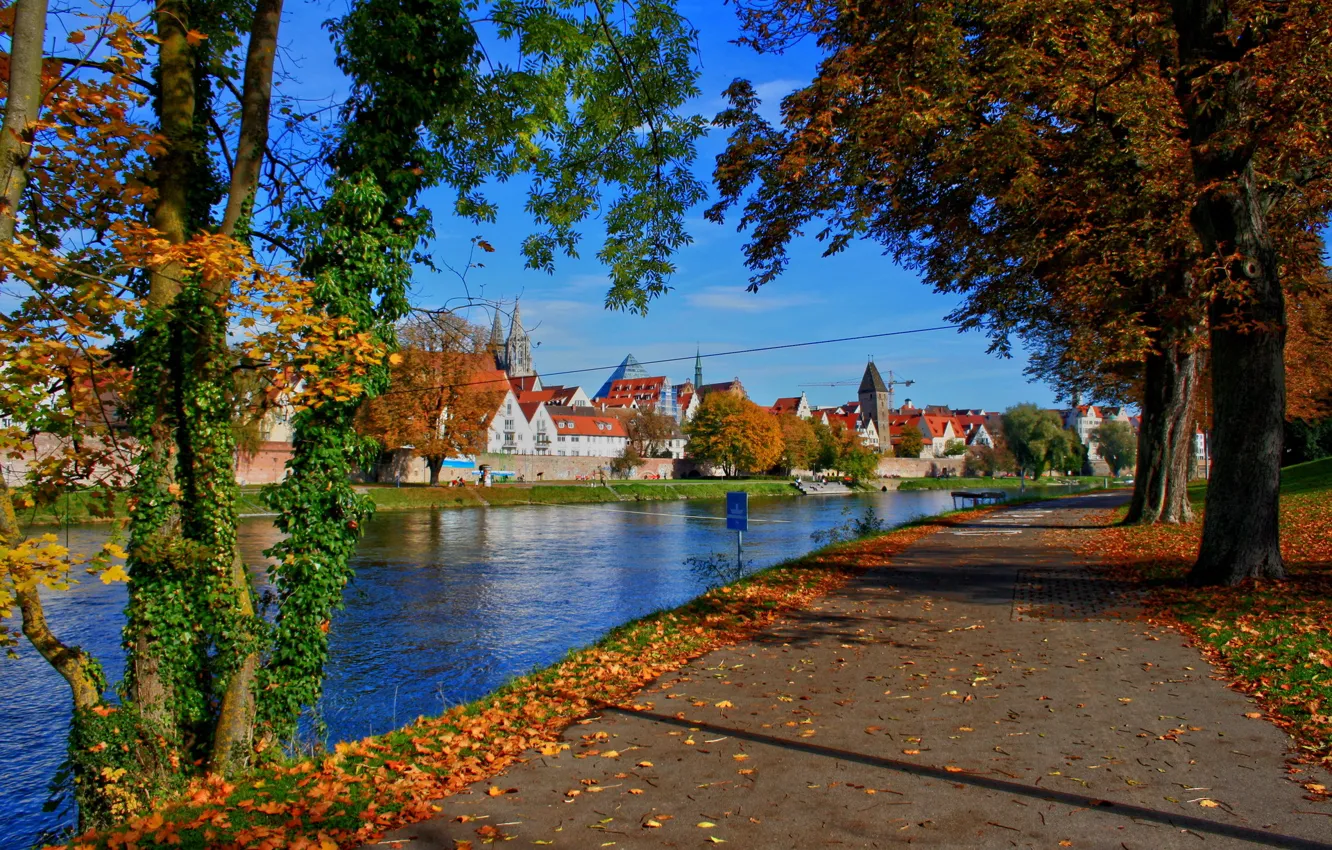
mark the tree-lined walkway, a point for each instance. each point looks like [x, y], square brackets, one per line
[986, 691]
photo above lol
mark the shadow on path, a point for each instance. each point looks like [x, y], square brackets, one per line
[1128, 810]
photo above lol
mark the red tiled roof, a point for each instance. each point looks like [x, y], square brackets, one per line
[785, 405]
[524, 384]
[622, 401]
[536, 397]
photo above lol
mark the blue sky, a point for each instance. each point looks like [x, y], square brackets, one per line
[857, 292]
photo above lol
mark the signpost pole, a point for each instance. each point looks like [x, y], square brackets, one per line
[737, 520]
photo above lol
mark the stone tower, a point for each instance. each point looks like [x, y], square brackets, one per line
[874, 405]
[518, 348]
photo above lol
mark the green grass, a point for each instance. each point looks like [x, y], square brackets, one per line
[1312, 477]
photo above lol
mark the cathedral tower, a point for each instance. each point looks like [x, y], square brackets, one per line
[517, 348]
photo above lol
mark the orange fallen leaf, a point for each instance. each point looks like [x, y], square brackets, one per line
[911, 752]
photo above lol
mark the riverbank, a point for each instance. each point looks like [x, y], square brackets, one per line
[995, 483]
[81, 508]
[366, 787]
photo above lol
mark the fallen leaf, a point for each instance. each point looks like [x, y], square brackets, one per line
[911, 752]
[705, 824]
[635, 790]
[1208, 804]
[652, 824]
[645, 764]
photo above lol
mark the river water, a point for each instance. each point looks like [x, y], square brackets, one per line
[446, 606]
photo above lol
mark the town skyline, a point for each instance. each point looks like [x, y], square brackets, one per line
[856, 292]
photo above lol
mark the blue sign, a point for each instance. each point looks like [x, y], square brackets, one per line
[737, 511]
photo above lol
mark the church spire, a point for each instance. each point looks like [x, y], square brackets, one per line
[496, 344]
[518, 348]
[698, 371]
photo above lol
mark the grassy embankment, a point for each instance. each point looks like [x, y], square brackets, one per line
[80, 508]
[362, 789]
[1274, 637]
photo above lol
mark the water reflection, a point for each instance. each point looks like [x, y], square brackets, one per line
[445, 606]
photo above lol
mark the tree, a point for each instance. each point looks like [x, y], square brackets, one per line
[800, 442]
[626, 462]
[988, 460]
[1037, 439]
[650, 432]
[955, 448]
[440, 399]
[135, 246]
[830, 438]
[734, 433]
[910, 443]
[858, 462]
[1117, 444]
[1156, 168]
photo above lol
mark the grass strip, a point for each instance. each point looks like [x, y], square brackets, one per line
[364, 788]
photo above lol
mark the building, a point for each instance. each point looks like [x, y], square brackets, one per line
[515, 356]
[731, 386]
[656, 393]
[630, 368]
[799, 405]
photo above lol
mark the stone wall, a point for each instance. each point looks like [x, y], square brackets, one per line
[911, 467]
[266, 466]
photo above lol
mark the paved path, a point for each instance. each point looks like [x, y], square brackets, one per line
[982, 693]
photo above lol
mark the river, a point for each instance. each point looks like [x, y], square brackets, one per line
[446, 606]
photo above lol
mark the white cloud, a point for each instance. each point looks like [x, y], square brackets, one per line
[738, 300]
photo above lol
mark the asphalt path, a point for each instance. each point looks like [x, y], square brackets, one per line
[987, 690]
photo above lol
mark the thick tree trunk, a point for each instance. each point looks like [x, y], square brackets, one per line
[435, 464]
[176, 117]
[156, 383]
[1160, 485]
[21, 107]
[1241, 529]
[1241, 536]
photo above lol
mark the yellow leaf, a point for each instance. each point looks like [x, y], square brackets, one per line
[726, 703]
[395, 359]
[652, 824]
[114, 573]
[1208, 804]
[645, 764]
[705, 824]
[195, 38]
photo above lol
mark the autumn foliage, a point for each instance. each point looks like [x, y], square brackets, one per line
[443, 392]
[734, 433]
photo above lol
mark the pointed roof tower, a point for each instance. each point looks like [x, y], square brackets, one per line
[496, 343]
[873, 381]
[518, 348]
[698, 369]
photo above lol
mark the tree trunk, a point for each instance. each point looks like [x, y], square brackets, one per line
[1165, 439]
[21, 107]
[1241, 528]
[73, 664]
[434, 463]
[176, 117]
[234, 731]
[255, 99]
[156, 377]
[1241, 534]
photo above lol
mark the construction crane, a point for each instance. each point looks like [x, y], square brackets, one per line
[891, 383]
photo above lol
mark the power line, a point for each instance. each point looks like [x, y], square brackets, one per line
[733, 353]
